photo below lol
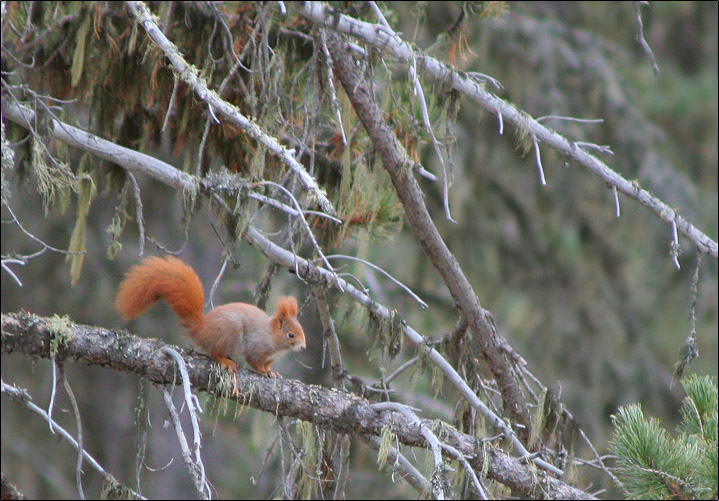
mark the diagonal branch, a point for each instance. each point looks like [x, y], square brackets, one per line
[139, 162]
[376, 35]
[640, 37]
[397, 164]
[328, 408]
[22, 397]
[190, 75]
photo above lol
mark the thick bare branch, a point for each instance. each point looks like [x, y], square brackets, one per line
[328, 408]
[377, 36]
[165, 173]
[397, 164]
[190, 75]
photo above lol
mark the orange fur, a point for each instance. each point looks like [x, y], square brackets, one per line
[162, 278]
[232, 329]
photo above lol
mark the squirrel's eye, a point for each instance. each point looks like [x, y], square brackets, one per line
[291, 334]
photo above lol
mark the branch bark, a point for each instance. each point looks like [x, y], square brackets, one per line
[328, 408]
[389, 43]
[167, 174]
[398, 165]
[190, 75]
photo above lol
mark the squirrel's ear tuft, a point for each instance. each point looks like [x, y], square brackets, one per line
[287, 306]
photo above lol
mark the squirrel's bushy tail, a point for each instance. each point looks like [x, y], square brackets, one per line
[165, 278]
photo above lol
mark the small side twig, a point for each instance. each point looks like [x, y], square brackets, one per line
[302, 219]
[171, 105]
[640, 37]
[434, 443]
[570, 119]
[5, 267]
[24, 399]
[78, 422]
[193, 407]
[538, 157]
[616, 201]
[329, 333]
[330, 83]
[375, 267]
[602, 148]
[674, 247]
[139, 219]
[409, 473]
[196, 472]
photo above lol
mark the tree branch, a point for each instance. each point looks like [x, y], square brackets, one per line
[328, 408]
[23, 397]
[397, 164]
[190, 75]
[165, 173]
[378, 37]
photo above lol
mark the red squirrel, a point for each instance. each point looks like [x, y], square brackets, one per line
[233, 329]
